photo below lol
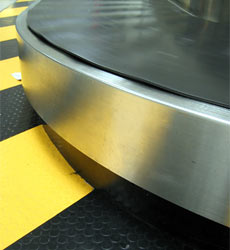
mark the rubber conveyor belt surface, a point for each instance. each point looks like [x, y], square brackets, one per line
[153, 42]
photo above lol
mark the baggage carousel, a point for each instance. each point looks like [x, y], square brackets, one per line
[140, 88]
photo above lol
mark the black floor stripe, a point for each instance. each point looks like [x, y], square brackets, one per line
[16, 113]
[8, 49]
[95, 222]
[7, 21]
[21, 4]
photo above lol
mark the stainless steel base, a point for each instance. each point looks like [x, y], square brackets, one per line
[174, 147]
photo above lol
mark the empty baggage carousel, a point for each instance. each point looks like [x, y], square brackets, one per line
[135, 96]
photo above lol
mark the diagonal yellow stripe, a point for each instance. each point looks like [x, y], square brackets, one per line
[19, 1]
[12, 12]
[7, 67]
[36, 184]
[7, 33]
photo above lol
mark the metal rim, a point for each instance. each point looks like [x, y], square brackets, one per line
[191, 121]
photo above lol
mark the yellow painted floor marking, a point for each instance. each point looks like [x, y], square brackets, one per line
[7, 33]
[19, 1]
[36, 184]
[11, 12]
[7, 67]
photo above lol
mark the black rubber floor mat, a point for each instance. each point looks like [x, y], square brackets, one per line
[95, 223]
[7, 21]
[16, 113]
[145, 206]
[153, 42]
[8, 49]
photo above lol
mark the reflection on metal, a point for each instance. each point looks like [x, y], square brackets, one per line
[169, 145]
[211, 10]
[139, 202]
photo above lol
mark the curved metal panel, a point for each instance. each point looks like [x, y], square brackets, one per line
[169, 145]
[212, 10]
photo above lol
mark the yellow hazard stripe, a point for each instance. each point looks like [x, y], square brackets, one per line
[7, 67]
[7, 33]
[20, 1]
[12, 12]
[36, 184]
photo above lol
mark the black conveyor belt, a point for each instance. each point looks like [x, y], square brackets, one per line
[151, 41]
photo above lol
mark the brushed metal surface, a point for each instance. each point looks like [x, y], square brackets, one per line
[150, 41]
[172, 146]
[211, 10]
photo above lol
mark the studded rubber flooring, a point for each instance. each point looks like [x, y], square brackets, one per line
[87, 219]
[97, 223]
[14, 105]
